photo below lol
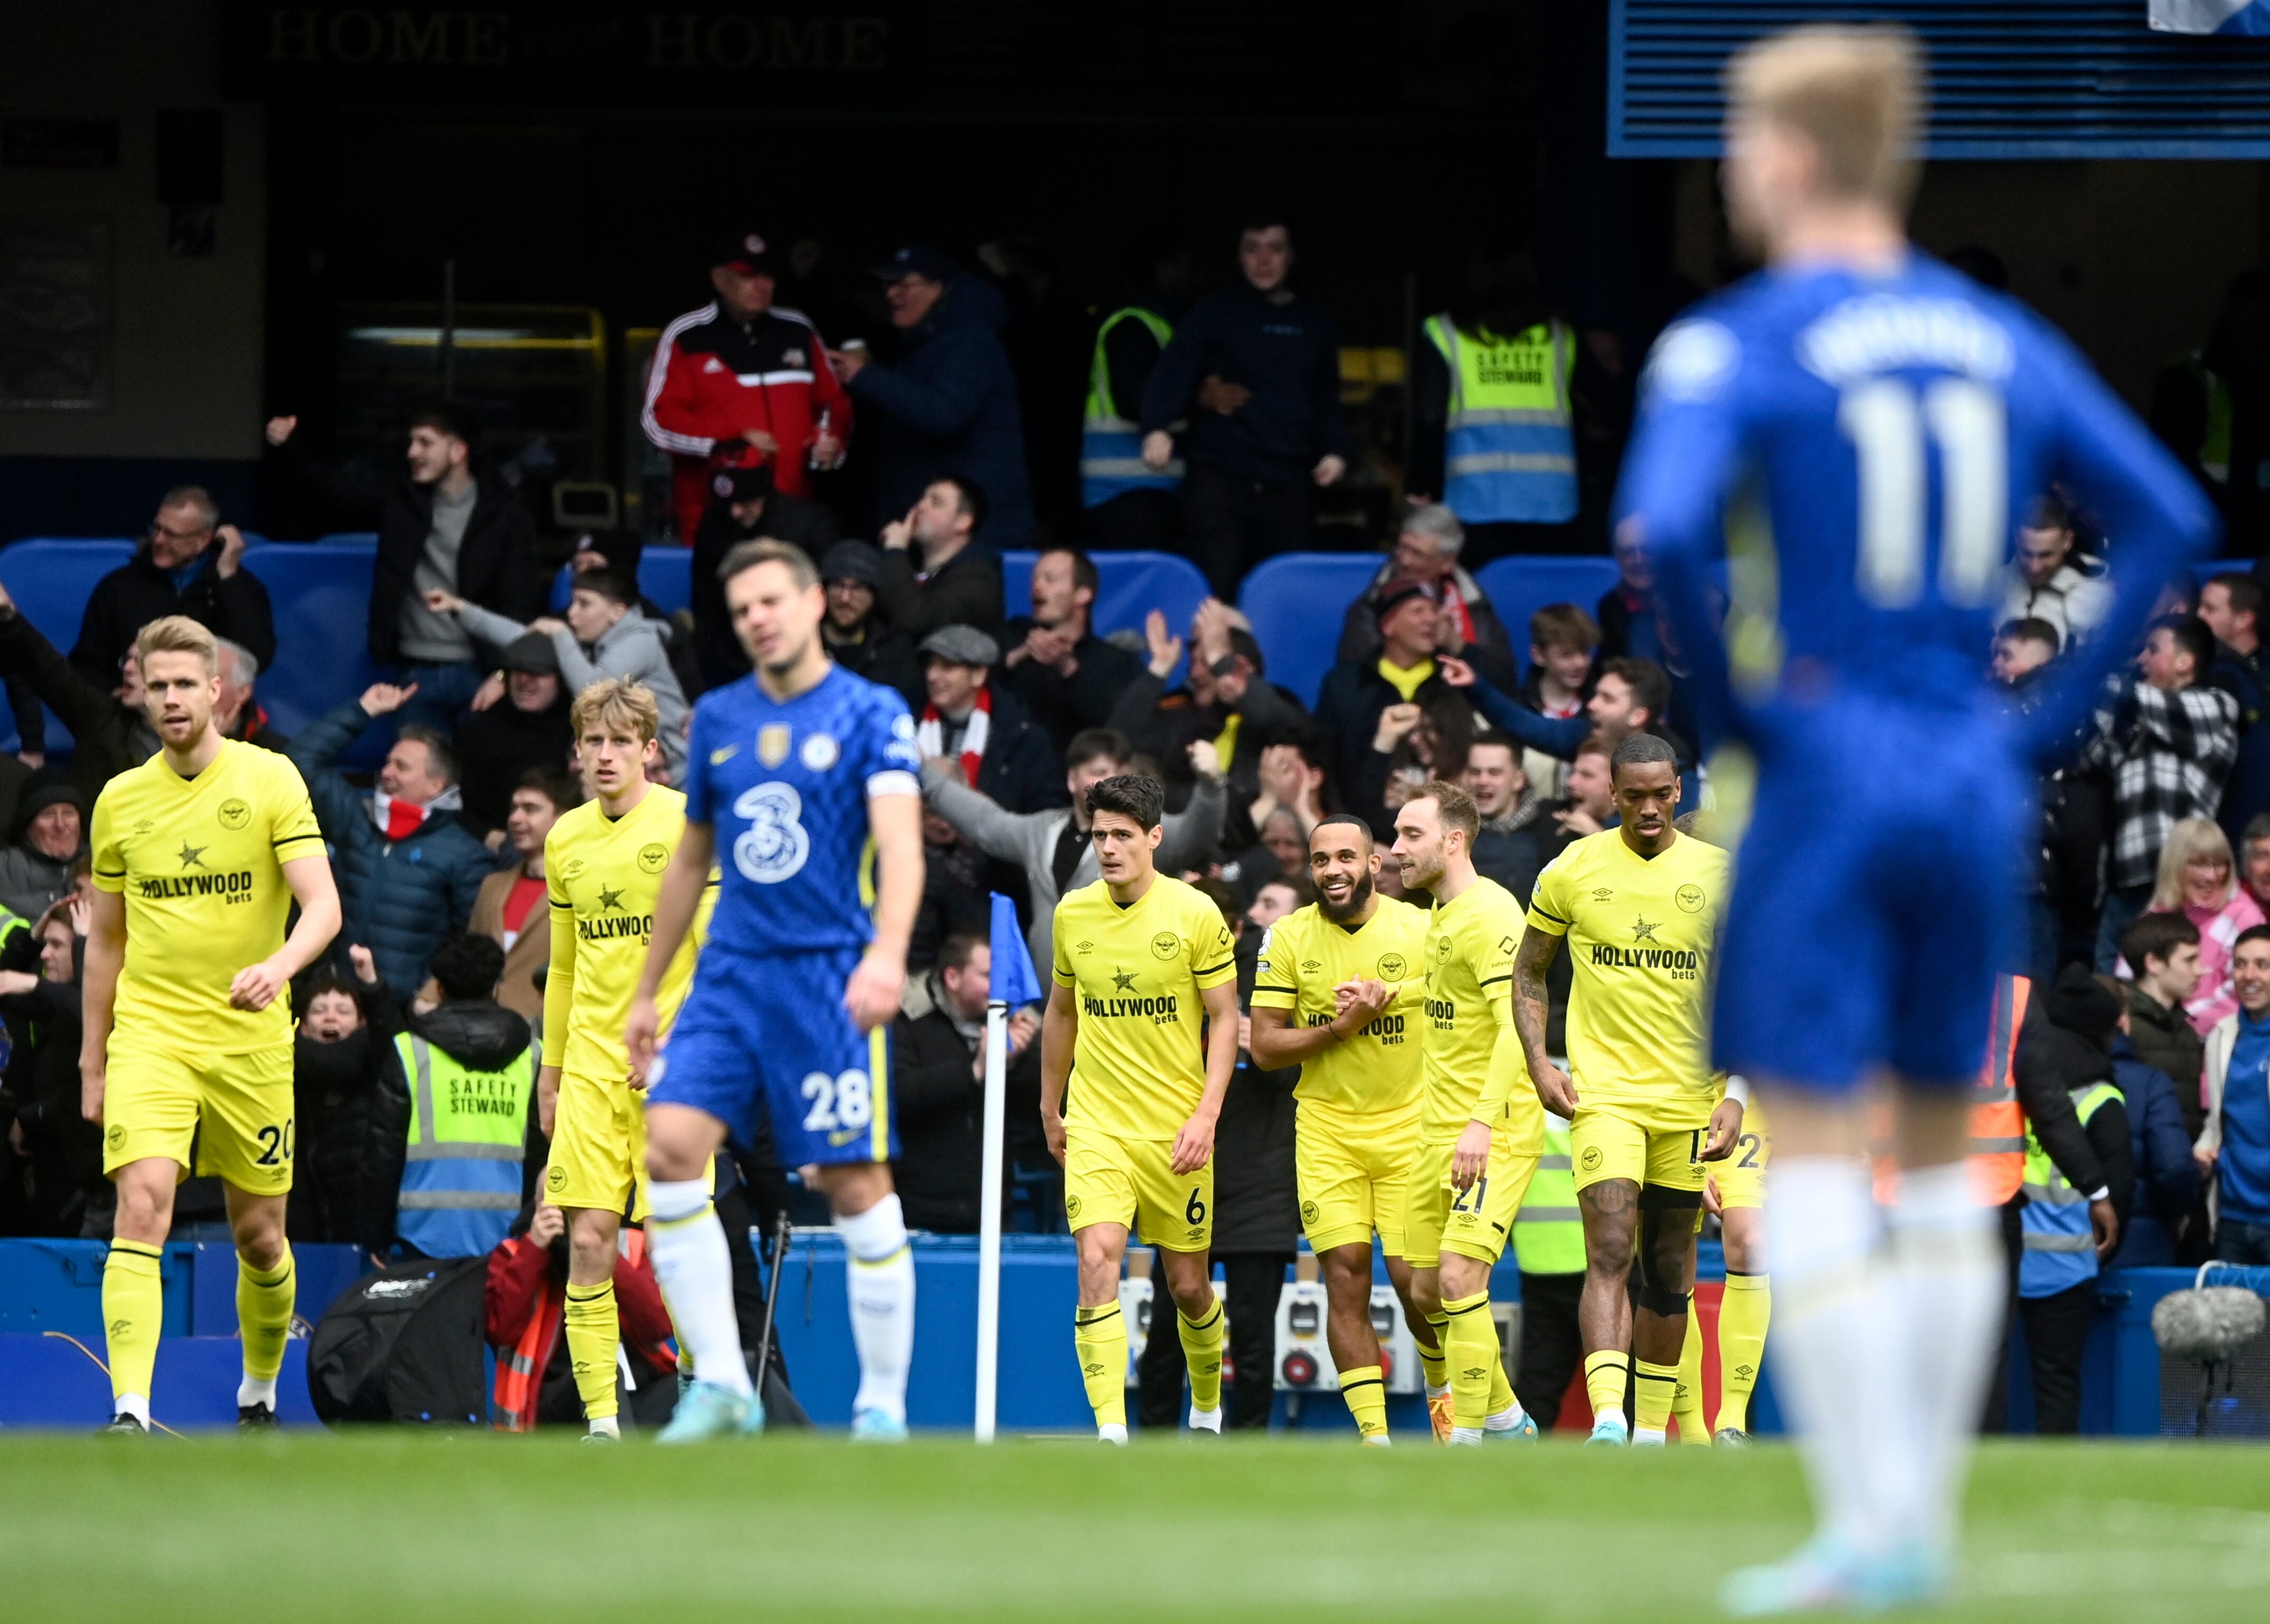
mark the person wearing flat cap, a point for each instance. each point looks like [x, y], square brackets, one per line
[742, 375]
[859, 636]
[947, 404]
[744, 505]
[528, 729]
[1002, 752]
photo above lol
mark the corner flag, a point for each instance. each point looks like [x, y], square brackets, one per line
[1014, 980]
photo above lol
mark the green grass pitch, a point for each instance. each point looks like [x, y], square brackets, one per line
[432, 1527]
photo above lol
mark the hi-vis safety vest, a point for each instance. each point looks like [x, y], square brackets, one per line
[1548, 1233]
[2214, 443]
[461, 1172]
[1111, 445]
[2060, 1250]
[1999, 1134]
[1509, 454]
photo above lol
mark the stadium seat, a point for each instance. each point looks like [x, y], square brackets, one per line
[665, 576]
[50, 580]
[320, 593]
[1517, 588]
[368, 539]
[1296, 603]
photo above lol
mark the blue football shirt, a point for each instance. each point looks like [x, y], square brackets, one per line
[1864, 448]
[785, 786]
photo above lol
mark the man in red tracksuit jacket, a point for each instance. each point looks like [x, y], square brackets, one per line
[736, 372]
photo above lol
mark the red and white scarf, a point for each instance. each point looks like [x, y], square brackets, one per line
[400, 820]
[930, 737]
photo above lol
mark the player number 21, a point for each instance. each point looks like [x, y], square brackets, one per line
[840, 1101]
[1887, 422]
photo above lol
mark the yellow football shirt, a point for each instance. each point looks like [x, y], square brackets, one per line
[602, 875]
[1471, 1056]
[200, 862]
[1306, 955]
[1139, 1067]
[1642, 936]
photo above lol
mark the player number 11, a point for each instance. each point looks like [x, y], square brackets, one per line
[1887, 423]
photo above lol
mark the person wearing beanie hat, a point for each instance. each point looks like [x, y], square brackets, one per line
[742, 504]
[859, 638]
[50, 842]
[743, 376]
[525, 731]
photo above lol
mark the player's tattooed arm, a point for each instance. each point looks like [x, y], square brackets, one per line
[1532, 1006]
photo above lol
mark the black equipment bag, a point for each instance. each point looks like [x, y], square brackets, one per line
[404, 1344]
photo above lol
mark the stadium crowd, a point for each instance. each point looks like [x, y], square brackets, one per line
[1210, 425]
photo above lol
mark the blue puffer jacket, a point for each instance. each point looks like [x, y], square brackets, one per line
[949, 406]
[401, 897]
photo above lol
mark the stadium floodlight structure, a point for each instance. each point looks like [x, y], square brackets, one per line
[1013, 982]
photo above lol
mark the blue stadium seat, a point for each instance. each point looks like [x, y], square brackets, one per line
[368, 539]
[50, 580]
[1517, 588]
[1297, 602]
[665, 576]
[320, 591]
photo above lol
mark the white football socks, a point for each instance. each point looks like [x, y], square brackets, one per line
[1206, 1421]
[249, 1391]
[695, 1268]
[1505, 1419]
[1951, 1281]
[882, 1285]
[1833, 1308]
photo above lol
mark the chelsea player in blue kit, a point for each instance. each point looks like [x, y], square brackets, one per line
[1859, 427]
[801, 786]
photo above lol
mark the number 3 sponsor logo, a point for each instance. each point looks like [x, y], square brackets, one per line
[775, 845]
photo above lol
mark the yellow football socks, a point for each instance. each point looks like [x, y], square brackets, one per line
[264, 1314]
[133, 1311]
[1742, 1316]
[1202, 1350]
[1364, 1390]
[1100, 1335]
[1687, 1403]
[1651, 1397]
[593, 1333]
[1435, 1361]
[1472, 1351]
[1606, 1376]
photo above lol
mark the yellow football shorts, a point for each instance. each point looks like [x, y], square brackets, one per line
[1742, 1175]
[1353, 1170]
[598, 1148]
[1645, 1144]
[236, 1109]
[1109, 1180]
[1472, 1223]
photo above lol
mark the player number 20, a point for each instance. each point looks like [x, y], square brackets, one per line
[840, 1101]
[1887, 422]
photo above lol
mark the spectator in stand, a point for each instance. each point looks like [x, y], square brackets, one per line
[1280, 852]
[1274, 899]
[2234, 1145]
[1588, 797]
[1069, 678]
[959, 582]
[1224, 699]
[2212, 408]
[239, 715]
[1630, 627]
[740, 372]
[604, 635]
[524, 1311]
[509, 908]
[938, 1075]
[2167, 1206]
[1427, 551]
[743, 505]
[441, 528]
[1255, 369]
[1052, 846]
[110, 731]
[948, 406]
[177, 570]
[49, 846]
[1404, 671]
[471, 1064]
[2195, 880]
[408, 870]
[2231, 606]
[1509, 847]
[1002, 750]
[1291, 777]
[1414, 743]
[1128, 504]
[350, 1109]
[2050, 579]
[956, 898]
[2163, 949]
[1563, 643]
[2254, 857]
[1630, 696]
[2167, 741]
[858, 637]
[62, 1150]
[500, 744]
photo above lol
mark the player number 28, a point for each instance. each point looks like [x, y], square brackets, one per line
[840, 1101]
[1887, 423]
